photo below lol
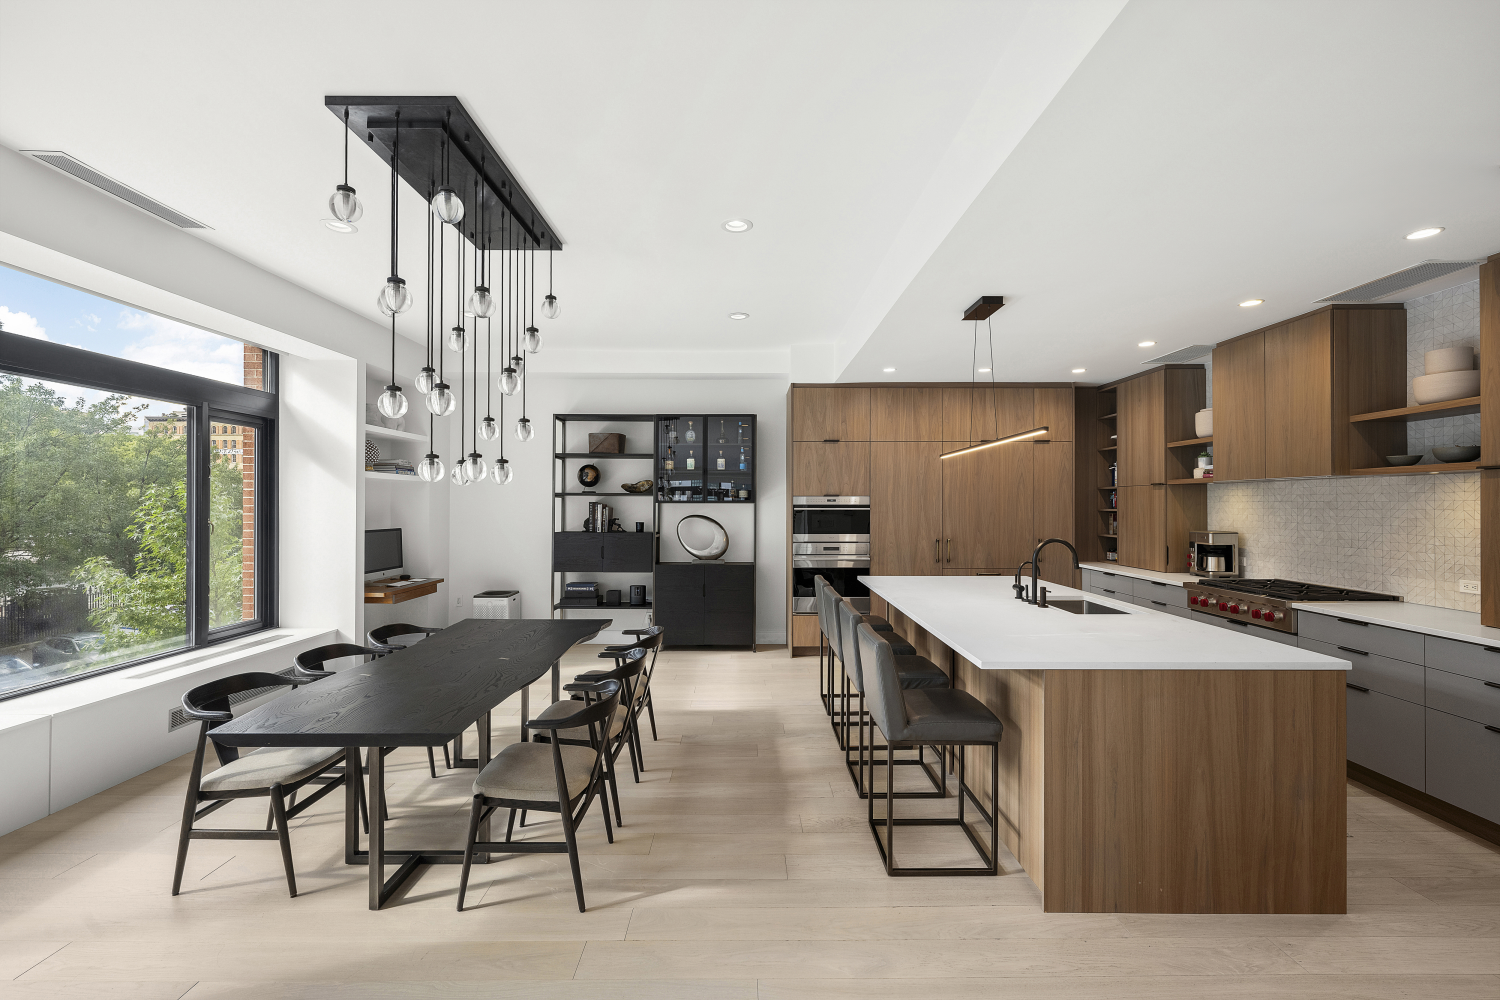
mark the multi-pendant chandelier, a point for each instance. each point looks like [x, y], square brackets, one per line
[496, 232]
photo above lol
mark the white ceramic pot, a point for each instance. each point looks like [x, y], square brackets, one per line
[1203, 422]
[1449, 359]
[1445, 386]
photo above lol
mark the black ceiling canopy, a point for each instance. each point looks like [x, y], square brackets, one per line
[424, 122]
[984, 307]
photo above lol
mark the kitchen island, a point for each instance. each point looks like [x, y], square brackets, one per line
[1150, 764]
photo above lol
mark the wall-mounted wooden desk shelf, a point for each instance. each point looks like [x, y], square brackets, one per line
[375, 593]
[1428, 411]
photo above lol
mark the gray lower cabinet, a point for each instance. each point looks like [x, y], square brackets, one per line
[1466, 697]
[1112, 589]
[1163, 606]
[1467, 658]
[1392, 642]
[1463, 763]
[1385, 734]
[1159, 593]
[1385, 674]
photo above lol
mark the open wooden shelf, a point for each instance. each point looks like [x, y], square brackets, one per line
[1191, 442]
[1103, 535]
[1109, 510]
[1427, 411]
[377, 594]
[1109, 416]
[1188, 482]
[1110, 447]
[1417, 470]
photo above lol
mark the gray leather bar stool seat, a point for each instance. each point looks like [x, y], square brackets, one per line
[928, 716]
[833, 702]
[914, 673]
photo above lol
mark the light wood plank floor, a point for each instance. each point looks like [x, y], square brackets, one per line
[744, 871]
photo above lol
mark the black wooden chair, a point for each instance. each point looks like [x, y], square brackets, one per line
[272, 772]
[643, 692]
[940, 716]
[551, 776]
[623, 732]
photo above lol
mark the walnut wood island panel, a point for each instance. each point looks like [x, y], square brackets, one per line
[1150, 764]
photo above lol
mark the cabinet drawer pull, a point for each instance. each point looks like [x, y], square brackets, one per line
[1492, 649]
[1156, 583]
[1160, 604]
[1491, 684]
[1351, 621]
[1233, 622]
[832, 440]
[1106, 590]
[1361, 690]
[1492, 729]
[1107, 574]
[1350, 649]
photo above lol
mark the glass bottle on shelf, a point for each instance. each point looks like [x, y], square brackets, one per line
[742, 459]
[690, 436]
[670, 463]
[691, 463]
[721, 435]
[671, 432]
[721, 458]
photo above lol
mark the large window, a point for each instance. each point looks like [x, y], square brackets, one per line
[135, 498]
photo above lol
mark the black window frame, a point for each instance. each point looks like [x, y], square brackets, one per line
[207, 402]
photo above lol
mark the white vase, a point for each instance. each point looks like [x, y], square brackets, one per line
[1444, 386]
[1449, 359]
[1203, 422]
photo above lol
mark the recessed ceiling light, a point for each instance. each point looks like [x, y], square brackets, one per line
[982, 370]
[887, 369]
[1146, 343]
[1078, 371]
[1251, 302]
[739, 225]
[1422, 234]
[739, 315]
[340, 227]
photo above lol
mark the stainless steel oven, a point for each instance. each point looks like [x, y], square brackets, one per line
[830, 538]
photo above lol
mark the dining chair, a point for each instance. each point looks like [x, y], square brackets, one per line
[271, 772]
[643, 693]
[553, 775]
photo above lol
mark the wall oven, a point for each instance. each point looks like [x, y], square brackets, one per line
[831, 539]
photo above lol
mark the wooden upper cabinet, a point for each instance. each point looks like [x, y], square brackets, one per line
[1143, 526]
[906, 414]
[906, 508]
[1054, 411]
[1141, 429]
[958, 405]
[830, 413]
[830, 469]
[1300, 439]
[1240, 409]
[1052, 506]
[987, 507]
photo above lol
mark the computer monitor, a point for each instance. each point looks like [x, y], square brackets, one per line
[382, 549]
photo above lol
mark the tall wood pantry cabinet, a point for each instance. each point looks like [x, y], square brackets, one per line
[1158, 502]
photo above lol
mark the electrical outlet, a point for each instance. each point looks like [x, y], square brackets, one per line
[1468, 586]
[458, 602]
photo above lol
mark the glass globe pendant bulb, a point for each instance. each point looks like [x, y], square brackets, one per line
[524, 430]
[488, 429]
[344, 206]
[426, 379]
[447, 205]
[430, 469]
[458, 340]
[394, 296]
[392, 402]
[476, 468]
[532, 340]
[481, 302]
[550, 308]
[509, 381]
[458, 475]
[441, 401]
[501, 472]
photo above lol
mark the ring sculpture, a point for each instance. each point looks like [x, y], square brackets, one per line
[716, 548]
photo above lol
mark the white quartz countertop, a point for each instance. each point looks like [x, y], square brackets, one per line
[979, 618]
[1175, 579]
[1446, 623]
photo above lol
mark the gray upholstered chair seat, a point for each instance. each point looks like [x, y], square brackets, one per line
[270, 766]
[919, 672]
[878, 623]
[940, 714]
[525, 772]
[899, 646]
[567, 706]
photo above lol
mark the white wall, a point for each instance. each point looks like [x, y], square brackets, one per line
[500, 534]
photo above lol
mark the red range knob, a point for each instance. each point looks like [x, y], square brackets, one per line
[1223, 606]
[1255, 612]
[1274, 616]
[1234, 609]
[1192, 599]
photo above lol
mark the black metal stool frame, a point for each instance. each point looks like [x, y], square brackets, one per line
[887, 847]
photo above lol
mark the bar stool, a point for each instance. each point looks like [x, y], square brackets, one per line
[935, 716]
[828, 623]
[914, 672]
[826, 628]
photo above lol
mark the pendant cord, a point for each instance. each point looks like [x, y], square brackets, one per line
[346, 145]
[995, 400]
[441, 291]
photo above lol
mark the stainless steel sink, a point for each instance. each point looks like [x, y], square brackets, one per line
[1077, 606]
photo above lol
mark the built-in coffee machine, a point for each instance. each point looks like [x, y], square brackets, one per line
[1214, 553]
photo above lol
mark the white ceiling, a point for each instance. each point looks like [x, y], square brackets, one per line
[899, 159]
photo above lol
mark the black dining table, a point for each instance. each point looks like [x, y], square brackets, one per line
[422, 696]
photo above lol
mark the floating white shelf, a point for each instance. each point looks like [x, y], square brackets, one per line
[375, 430]
[391, 476]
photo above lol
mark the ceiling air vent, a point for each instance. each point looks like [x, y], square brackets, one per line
[87, 174]
[1372, 291]
[1183, 356]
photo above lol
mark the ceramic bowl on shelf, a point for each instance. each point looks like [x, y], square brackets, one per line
[1444, 386]
[644, 486]
[1403, 459]
[1448, 359]
[1203, 422]
[1455, 453]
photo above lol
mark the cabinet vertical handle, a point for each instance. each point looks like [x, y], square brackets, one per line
[937, 550]
[950, 550]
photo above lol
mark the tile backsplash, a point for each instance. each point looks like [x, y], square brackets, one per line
[1414, 536]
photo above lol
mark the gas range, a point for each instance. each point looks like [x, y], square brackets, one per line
[1267, 602]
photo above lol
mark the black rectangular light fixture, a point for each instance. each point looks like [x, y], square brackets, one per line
[984, 307]
[424, 123]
